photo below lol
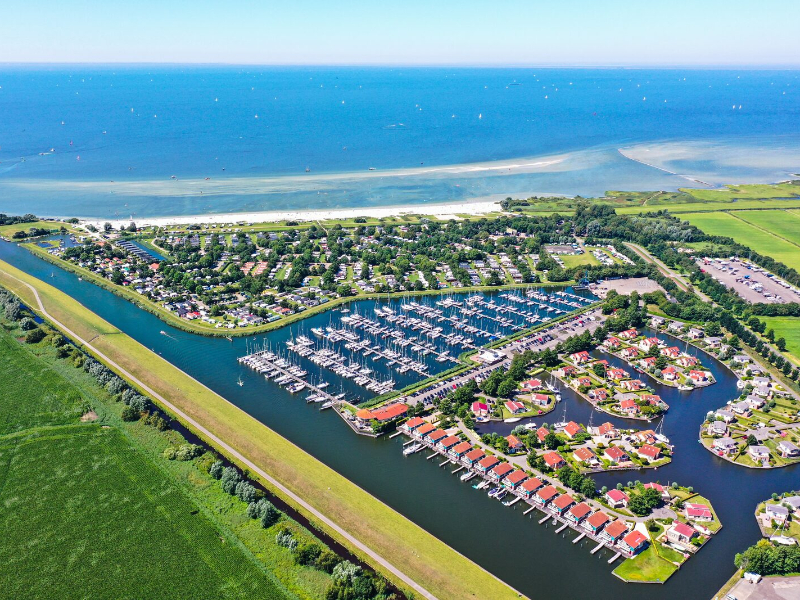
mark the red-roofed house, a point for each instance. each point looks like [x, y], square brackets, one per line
[652, 399]
[554, 460]
[531, 384]
[634, 542]
[629, 406]
[529, 487]
[628, 334]
[649, 452]
[581, 382]
[698, 512]
[579, 512]
[540, 399]
[480, 409]
[565, 371]
[596, 522]
[541, 433]
[669, 373]
[580, 357]
[614, 531]
[514, 445]
[671, 352]
[562, 503]
[515, 479]
[585, 455]
[500, 471]
[412, 424]
[383, 414]
[612, 342]
[649, 343]
[545, 494]
[617, 498]
[632, 385]
[448, 442]
[659, 488]
[473, 456]
[436, 436]
[572, 429]
[698, 376]
[616, 455]
[460, 449]
[424, 430]
[648, 362]
[681, 533]
[515, 407]
[687, 361]
[616, 374]
[487, 463]
[599, 394]
[630, 352]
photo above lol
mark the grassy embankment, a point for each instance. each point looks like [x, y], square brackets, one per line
[92, 509]
[421, 556]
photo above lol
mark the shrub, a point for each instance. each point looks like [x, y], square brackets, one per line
[307, 554]
[245, 491]
[215, 470]
[230, 478]
[345, 571]
[27, 324]
[326, 561]
[131, 414]
[34, 336]
[270, 516]
[169, 453]
[187, 451]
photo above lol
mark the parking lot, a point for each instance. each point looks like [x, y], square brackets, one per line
[769, 588]
[751, 282]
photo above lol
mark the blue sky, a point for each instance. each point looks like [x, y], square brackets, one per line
[503, 32]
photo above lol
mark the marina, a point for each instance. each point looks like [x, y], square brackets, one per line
[399, 480]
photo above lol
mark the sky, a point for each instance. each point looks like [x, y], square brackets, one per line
[409, 32]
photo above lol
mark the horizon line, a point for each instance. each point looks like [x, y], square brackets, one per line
[622, 66]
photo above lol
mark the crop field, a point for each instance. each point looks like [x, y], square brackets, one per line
[31, 394]
[722, 223]
[85, 517]
[782, 223]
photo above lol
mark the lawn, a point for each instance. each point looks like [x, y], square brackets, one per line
[647, 566]
[764, 243]
[10, 230]
[84, 516]
[276, 462]
[576, 260]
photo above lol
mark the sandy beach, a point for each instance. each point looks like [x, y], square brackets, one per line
[440, 211]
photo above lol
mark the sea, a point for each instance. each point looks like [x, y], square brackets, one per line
[150, 141]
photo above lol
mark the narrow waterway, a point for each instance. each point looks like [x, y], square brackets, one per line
[530, 557]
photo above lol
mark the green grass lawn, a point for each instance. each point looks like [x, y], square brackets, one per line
[84, 516]
[647, 566]
[578, 260]
[720, 223]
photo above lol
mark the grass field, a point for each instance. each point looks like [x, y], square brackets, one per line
[9, 230]
[722, 223]
[84, 516]
[578, 260]
[430, 562]
[787, 328]
[782, 223]
[647, 566]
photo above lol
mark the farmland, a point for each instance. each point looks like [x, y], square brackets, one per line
[782, 223]
[95, 520]
[725, 224]
[87, 504]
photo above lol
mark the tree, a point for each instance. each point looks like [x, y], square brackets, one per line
[551, 441]
[751, 440]
[129, 413]
[107, 227]
[780, 343]
[34, 336]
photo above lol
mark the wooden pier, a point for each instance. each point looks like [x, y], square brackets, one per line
[600, 545]
[579, 538]
[543, 519]
[615, 557]
[528, 510]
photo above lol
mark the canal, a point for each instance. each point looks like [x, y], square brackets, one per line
[530, 557]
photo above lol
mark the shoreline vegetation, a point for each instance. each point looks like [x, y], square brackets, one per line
[442, 570]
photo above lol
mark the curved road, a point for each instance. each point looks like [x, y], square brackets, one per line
[235, 453]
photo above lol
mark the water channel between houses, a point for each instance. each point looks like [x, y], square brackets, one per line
[530, 557]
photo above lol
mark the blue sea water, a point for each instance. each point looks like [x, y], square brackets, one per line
[146, 140]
